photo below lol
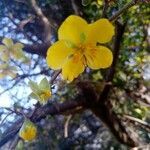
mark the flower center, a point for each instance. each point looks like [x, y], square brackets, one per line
[45, 95]
[81, 52]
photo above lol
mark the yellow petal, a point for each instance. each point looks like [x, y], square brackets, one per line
[2, 75]
[44, 96]
[72, 29]
[2, 48]
[57, 54]
[29, 134]
[98, 57]
[5, 56]
[17, 46]
[73, 67]
[28, 131]
[100, 31]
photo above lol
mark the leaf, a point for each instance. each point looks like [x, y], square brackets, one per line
[20, 145]
[86, 2]
[8, 42]
[100, 2]
[44, 84]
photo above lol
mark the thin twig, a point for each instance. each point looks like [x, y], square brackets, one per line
[142, 147]
[127, 6]
[138, 121]
[66, 126]
[5, 118]
[9, 88]
[75, 7]
[14, 143]
[54, 76]
[44, 20]
[41, 113]
[15, 111]
[105, 6]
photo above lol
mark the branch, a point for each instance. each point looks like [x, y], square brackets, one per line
[54, 76]
[44, 20]
[41, 113]
[103, 109]
[110, 75]
[105, 6]
[75, 7]
[23, 76]
[133, 119]
[39, 49]
[3, 120]
[20, 25]
[11, 87]
[66, 126]
[142, 147]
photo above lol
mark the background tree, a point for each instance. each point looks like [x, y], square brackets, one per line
[117, 96]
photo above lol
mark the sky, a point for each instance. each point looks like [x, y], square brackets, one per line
[4, 99]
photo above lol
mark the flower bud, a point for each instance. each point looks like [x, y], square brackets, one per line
[28, 130]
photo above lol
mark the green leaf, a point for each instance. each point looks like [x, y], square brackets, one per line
[86, 2]
[20, 145]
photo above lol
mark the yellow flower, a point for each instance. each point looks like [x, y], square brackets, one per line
[28, 131]
[41, 91]
[45, 95]
[77, 46]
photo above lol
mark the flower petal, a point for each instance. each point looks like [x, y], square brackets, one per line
[98, 57]
[73, 67]
[17, 46]
[8, 42]
[72, 29]
[2, 48]
[100, 31]
[57, 54]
